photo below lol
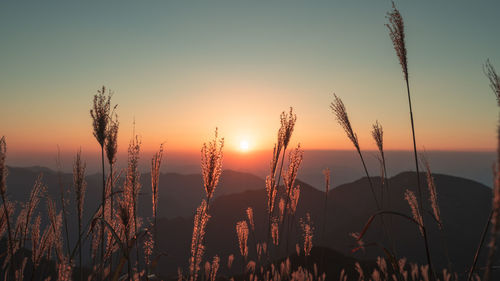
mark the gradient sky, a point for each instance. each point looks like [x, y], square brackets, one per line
[181, 68]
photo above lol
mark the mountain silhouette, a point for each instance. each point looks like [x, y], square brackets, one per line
[464, 205]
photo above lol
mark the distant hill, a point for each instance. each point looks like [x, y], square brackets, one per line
[179, 194]
[465, 205]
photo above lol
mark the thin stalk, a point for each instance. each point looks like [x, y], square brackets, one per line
[479, 247]
[388, 192]
[369, 179]
[80, 247]
[103, 208]
[197, 238]
[61, 190]
[135, 233]
[9, 232]
[271, 213]
[427, 251]
[325, 220]
[111, 201]
[111, 189]
[446, 251]
[129, 266]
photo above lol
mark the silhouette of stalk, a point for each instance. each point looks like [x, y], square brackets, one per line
[3, 193]
[211, 168]
[111, 147]
[63, 201]
[479, 247]
[111, 150]
[378, 136]
[80, 186]
[490, 72]
[397, 35]
[251, 223]
[495, 221]
[340, 112]
[326, 173]
[155, 179]
[295, 159]
[272, 183]
[495, 208]
[436, 212]
[134, 186]
[211, 164]
[284, 135]
[492, 76]
[100, 117]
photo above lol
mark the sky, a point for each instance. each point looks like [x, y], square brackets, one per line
[179, 69]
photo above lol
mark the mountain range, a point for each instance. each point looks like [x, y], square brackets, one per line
[464, 206]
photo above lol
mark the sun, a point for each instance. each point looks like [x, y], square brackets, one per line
[244, 145]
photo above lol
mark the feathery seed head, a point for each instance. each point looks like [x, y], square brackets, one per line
[79, 182]
[197, 248]
[281, 207]
[490, 72]
[397, 33]
[295, 159]
[155, 176]
[242, 232]
[214, 268]
[112, 138]
[211, 164]
[149, 245]
[132, 180]
[35, 237]
[378, 136]
[432, 192]
[287, 125]
[338, 108]
[308, 233]
[249, 212]
[271, 193]
[412, 201]
[100, 114]
[294, 199]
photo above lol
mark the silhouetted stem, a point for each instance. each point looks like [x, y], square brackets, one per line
[420, 199]
[63, 204]
[369, 178]
[9, 232]
[103, 210]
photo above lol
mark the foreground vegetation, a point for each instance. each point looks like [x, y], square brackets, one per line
[122, 244]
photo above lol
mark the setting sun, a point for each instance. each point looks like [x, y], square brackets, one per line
[244, 146]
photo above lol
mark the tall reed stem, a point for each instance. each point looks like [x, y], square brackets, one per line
[103, 205]
[479, 247]
[3, 190]
[420, 199]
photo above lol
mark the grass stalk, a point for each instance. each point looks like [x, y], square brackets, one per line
[3, 191]
[63, 200]
[397, 35]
